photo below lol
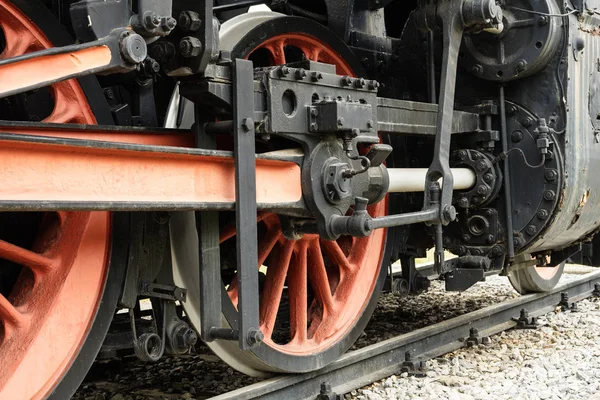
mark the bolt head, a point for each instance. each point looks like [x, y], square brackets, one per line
[542, 20]
[549, 195]
[168, 23]
[300, 74]
[482, 190]
[481, 166]
[531, 230]
[542, 214]
[347, 81]
[360, 83]
[189, 21]
[316, 76]
[516, 136]
[283, 71]
[551, 174]
[340, 121]
[247, 124]
[151, 20]
[527, 122]
[521, 66]
[476, 69]
[370, 124]
[255, 336]
[488, 177]
[190, 47]
[466, 237]
[463, 202]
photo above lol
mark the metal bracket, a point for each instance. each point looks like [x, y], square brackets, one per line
[161, 291]
[526, 322]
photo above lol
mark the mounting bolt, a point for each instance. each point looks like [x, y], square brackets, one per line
[482, 190]
[476, 69]
[564, 301]
[463, 202]
[300, 74]
[596, 291]
[462, 155]
[521, 66]
[490, 239]
[133, 48]
[347, 81]
[542, 20]
[247, 124]
[516, 136]
[255, 336]
[340, 121]
[527, 122]
[512, 110]
[549, 195]
[374, 85]
[488, 177]
[466, 237]
[151, 20]
[189, 21]
[283, 71]
[314, 112]
[370, 124]
[542, 214]
[360, 83]
[481, 166]
[190, 47]
[449, 213]
[316, 76]
[168, 23]
[314, 127]
[551, 174]
[531, 230]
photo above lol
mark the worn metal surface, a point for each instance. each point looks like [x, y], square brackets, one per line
[411, 117]
[578, 211]
[364, 366]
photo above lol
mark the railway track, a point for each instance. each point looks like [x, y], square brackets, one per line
[369, 364]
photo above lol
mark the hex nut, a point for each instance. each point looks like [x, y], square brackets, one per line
[190, 47]
[336, 186]
[189, 21]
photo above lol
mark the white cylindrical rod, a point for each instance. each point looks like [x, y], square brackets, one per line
[404, 180]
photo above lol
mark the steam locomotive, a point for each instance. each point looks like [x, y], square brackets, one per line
[254, 168]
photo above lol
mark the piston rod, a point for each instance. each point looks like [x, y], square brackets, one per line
[405, 180]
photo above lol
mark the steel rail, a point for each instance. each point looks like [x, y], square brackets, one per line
[369, 364]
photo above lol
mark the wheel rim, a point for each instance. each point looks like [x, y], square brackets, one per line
[345, 275]
[56, 280]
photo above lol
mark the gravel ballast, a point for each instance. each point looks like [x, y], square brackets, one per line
[481, 372]
[559, 360]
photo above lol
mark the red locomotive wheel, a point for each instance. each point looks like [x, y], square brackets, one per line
[316, 295]
[53, 266]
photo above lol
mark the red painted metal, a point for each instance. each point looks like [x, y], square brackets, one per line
[46, 317]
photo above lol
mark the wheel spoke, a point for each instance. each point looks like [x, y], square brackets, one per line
[318, 277]
[19, 255]
[229, 231]
[10, 315]
[277, 50]
[266, 245]
[298, 294]
[332, 249]
[65, 94]
[273, 289]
